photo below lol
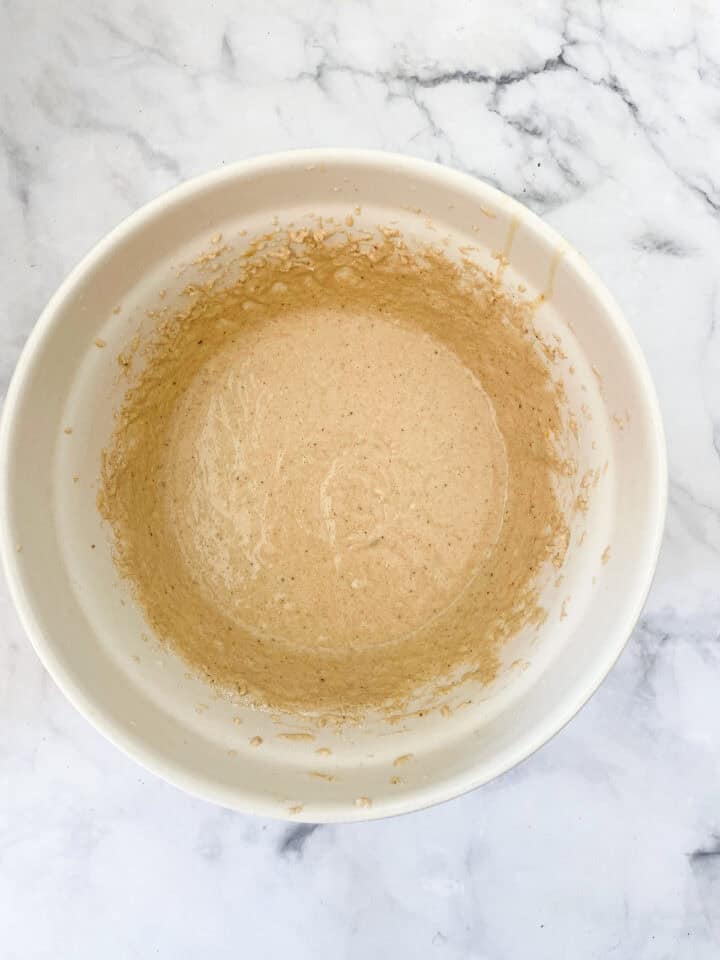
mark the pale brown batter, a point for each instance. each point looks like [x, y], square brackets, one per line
[334, 483]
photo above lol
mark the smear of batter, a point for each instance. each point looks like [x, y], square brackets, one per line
[334, 483]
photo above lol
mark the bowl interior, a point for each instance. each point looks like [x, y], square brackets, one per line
[92, 637]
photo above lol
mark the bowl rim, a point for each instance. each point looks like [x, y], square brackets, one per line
[177, 773]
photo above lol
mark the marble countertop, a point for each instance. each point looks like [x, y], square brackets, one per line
[604, 118]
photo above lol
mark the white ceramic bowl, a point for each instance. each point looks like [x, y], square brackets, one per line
[88, 632]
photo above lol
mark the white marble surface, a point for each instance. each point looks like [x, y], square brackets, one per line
[605, 118]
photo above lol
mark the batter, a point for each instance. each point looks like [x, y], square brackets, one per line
[332, 486]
